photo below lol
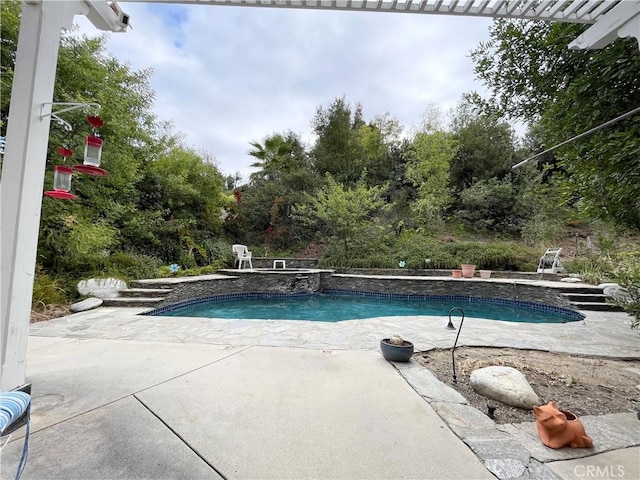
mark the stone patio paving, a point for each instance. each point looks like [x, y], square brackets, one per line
[508, 451]
[606, 334]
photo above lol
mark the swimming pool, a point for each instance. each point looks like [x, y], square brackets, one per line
[339, 306]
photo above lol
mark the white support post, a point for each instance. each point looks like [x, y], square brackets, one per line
[22, 179]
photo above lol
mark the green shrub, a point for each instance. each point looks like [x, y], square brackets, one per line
[132, 266]
[490, 256]
[623, 267]
[416, 248]
[593, 270]
[503, 256]
[192, 272]
[419, 252]
[627, 273]
[490, 206]
[165, 270]
[186, 260]
[542, 230]
[47, 291]
[378, 261]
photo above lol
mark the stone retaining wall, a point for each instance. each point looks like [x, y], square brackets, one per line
[308, 281]
[447, 286]
[554, 277]
[247, 281]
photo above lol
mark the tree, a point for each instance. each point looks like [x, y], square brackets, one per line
[265, 209]
[345, 212]
[190, 195]
[428, 170]
[337, 150]
[274, 157]
[534, 77]
[378, 138]
[160, 199]
[491, 206]
[10, 16]
[131, 136]
[486, 146]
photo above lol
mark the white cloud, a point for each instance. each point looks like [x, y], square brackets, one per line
[226, 76]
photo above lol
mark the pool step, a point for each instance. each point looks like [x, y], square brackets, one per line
[585, 297]
[597, 306]
[132, 301]
[156, 285]
[582, 289]
[589, 298]
[138, 297]
[145, 292]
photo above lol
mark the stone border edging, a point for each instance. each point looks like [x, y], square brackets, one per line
[513, 451]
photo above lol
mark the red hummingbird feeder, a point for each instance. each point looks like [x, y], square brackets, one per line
[92, 151]
[61, 183]
[62, 178]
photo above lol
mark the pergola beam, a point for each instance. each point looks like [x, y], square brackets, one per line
[621, 21]
[573, 8]
[527, 6]
[611, 18]
[576, 11]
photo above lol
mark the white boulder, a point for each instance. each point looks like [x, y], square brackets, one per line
[505, 384]
[616, 292]
[84, 305]
[102, 287]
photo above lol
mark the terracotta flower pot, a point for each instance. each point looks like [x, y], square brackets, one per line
[468, 270]
[456, 273]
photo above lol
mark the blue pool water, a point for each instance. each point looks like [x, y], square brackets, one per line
[338, 307]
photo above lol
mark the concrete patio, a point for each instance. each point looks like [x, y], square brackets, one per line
[117, 395]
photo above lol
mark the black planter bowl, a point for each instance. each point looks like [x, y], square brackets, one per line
[396, 353]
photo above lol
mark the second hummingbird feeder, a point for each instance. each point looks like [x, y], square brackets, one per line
[92, 151]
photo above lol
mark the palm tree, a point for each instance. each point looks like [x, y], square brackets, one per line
[274, 158]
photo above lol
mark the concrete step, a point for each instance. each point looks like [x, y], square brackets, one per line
[132, 302]
[156, 285]
[585, 297]
[597, 306]
[592, 290]
[145, 292]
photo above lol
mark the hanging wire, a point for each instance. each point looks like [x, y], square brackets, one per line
[584, 134]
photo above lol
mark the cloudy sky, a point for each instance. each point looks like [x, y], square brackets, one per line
[227, 76]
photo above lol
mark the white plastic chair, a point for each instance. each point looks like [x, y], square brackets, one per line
[243, 255]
